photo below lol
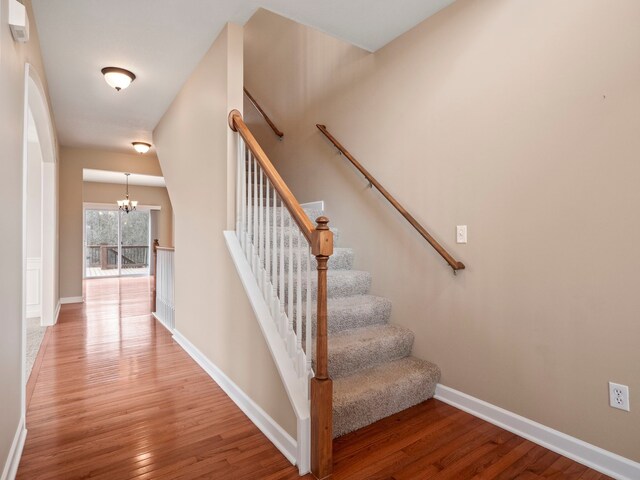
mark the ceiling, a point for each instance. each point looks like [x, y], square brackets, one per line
[106, 176]
[162, 41]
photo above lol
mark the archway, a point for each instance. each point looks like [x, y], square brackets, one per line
[39, 219]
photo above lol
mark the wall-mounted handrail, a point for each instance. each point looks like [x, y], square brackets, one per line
[275, 129]
[453, 263]
[267, 242]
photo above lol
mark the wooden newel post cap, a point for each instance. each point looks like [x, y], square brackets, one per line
[322, 222]
[322, 242]
[156, 244]
[232, 115]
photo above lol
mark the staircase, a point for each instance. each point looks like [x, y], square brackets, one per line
[370, 362]
[342, 364]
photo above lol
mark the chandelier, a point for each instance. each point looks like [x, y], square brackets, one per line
[127, 205]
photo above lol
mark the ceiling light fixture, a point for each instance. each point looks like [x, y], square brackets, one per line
[141, 147]
[127, 205]
[118, 78]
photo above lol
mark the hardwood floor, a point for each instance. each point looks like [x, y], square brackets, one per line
[116, 398]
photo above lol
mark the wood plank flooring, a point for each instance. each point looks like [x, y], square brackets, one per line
[115, 398]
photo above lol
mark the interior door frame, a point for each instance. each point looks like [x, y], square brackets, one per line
[109, 207]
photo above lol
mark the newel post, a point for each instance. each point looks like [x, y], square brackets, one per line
[321, 384]
[156, 244]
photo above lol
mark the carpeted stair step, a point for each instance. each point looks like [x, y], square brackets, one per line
[344, 313]
[360, 348]
[375, 393]
[340, 283]
[293, 232]
[287, 221]
[342, 259]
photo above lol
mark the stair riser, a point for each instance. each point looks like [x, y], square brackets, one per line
[340, 319]
[413, 389]
[336, 287]
[343, 362]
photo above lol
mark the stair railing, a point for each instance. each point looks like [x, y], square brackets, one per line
[254, 102]
[163, 303]
[278, 239]
[453, 263]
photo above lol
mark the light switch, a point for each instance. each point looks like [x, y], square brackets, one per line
[461, 234]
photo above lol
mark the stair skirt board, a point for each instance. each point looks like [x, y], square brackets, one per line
[578, 450]
[288, 446]
[295, 386]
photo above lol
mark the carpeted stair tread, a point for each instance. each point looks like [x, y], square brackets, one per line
[291, 235]
[375, 393]
[342, 259]
[285, 219]
[344, 313]
[360, 348]
[340, 283]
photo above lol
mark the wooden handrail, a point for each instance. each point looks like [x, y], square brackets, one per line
[275, 129]
[320, 240]
[297, 213]
[453, 263]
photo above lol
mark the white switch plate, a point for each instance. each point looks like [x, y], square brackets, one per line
[461, 234]
[619, 396]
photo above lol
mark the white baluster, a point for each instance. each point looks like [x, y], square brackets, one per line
[299, 302]
[254, 234]
[282, 273]
[260, 275]
[274, 263]
[238, 189]
[248, 251]
[292, 346]
[308, 349]
[267, 243]
[243, 194]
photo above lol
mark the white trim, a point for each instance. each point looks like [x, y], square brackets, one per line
[15, 453]
[295, 386]
[56, 314]
[582, 452]
[319, 205]
[33, 299]
[267, 425]
[162, 322]
[66, 300]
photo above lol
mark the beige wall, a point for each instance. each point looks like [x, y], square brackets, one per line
[520, 120]
[72, 162]
[93, 192]
[196, 150]
[13, 57]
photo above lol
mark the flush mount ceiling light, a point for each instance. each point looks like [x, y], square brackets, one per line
[127, 205]
[118, 78]
[141, 147]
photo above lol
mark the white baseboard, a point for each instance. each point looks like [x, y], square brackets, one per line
[267, 425]
[15, 452]
[162, 322]
[56, 314]
[582, 452]
[66, 300]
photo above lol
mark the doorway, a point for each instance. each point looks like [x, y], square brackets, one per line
[116, 243]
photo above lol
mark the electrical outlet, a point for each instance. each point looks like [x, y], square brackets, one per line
[619, 396]
[461, 234]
